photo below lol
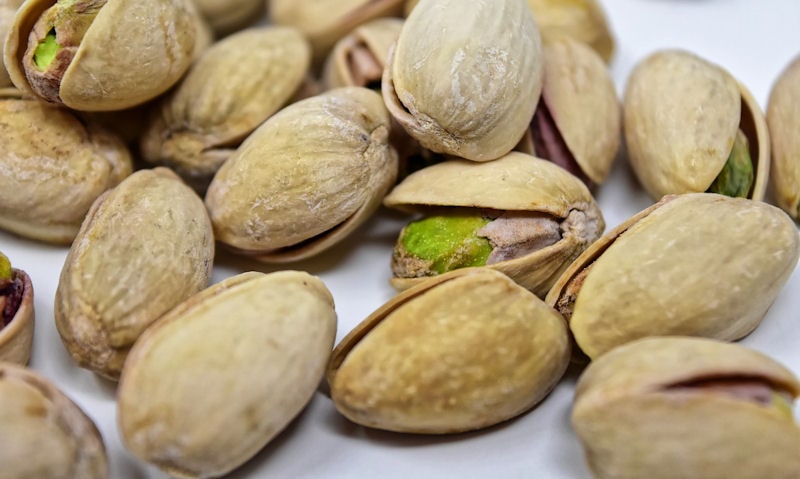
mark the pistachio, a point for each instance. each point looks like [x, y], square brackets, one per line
[687, 407]
[679, 268]
[227, 16]
[424, 363]
[8, 8]
[783, 118]
[16, 313]
[736, 177]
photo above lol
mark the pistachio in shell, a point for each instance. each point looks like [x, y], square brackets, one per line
[681, 117]
[8, 8]
[306, 178]
[220, 375]
[228, 16]
[533, 216]
[671, 407]
[697, 264]
[144, 247]
[462, 351]
[99, 55]
[464, 77]
[16, 313]
[783, 118]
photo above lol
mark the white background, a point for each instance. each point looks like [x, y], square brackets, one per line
[753, 40]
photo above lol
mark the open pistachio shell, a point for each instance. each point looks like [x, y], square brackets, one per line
[462, 351]
[783, 117]
[515, 182]
[8, 8]
[464, 77]
[680, 117]
[698, 264]
[661, 408]
[16, 337]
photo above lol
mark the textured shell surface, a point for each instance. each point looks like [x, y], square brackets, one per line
[373, 38]
[8, 8]
[783, 117]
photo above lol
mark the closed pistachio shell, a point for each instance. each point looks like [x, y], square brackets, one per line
[224, 372]
[671, 407]
[783, 118]
[16, 335]
[463, 351]
[227, 16]
[697, 264]
[8, 8]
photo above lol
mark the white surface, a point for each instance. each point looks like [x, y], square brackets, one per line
[753, 40]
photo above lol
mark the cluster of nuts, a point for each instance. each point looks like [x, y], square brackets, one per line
[278, 141]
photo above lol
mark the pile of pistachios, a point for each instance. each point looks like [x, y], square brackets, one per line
[151, 141]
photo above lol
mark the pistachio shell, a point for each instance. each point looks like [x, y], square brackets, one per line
[144, 246]
[463, 351]
[515, 182]
[219, 376]
[642, 411]
[44, 434]
[465, 77]
[16, 337]
[783, 117]
[227, 16]
[306, 178]
[7, 10]
[697, 264]
[581, 20]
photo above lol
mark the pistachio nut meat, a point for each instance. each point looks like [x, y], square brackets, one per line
[144, 247]
[223, 373]
[306, 178]
[783, 119]
[672, 407]
[100, 55]
[697, 264]
[519, 214]
[691, 127]
[8, 8]
[464, 77]
[44, 433]
[459, 352]
[54, 166]
[16, 313]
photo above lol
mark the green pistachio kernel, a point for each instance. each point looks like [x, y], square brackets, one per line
[5, 269]
[46, 50]
[782, 404]
[736, 176]
[448, 242]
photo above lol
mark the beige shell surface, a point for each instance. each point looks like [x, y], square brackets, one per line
[16, 338]
[54, 166]
[465, 77]
[44, 433]
[463, 351]
[581, 20]
[145, 246]
[223, 373]
[133, 51]
[696, 265]
[306, 178]
[8, 8]
[640, 411]
[373, 38]
[783, 117]
[227, 16]
[232, 88]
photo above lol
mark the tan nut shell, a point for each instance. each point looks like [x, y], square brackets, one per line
[54, 166]
[698, 264]
[516, 182]
[464, 77]
[680, 117]
[144, 246]
[783, 118]
[224, 372]
[462, 351]
[375, 36]
[232, 88]
[8, 8]
[632, 426]
[16, 338]
[306, 178]
[44, 434]
[133, 51]
[227, 16]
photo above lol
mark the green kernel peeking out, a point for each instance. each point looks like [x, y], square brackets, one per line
[736, 176]
[447, 242]
[5, 269]
[46, 50]
[782, 404]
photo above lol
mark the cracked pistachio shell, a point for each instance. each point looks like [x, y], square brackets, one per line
[218, 377]
[462, 351]
[680, 117]
[227, 16]
[306, 178]
[233, 87]
[650, 409]
[144, 246]
[698, 264]
[515, 182]
[133, 51]
[44, 434]
[8, 8]
[16, 337]
[464, 77]
[54, 166]
[783, 118]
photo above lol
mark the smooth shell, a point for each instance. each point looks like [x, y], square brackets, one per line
[223, 373]
[144, 247]
[227, 16]
[8, 8]
[697, 264]
[462, 351]
[783, 118]
[375, 37]
[16, 338]
[635, 420]
[581, 20]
